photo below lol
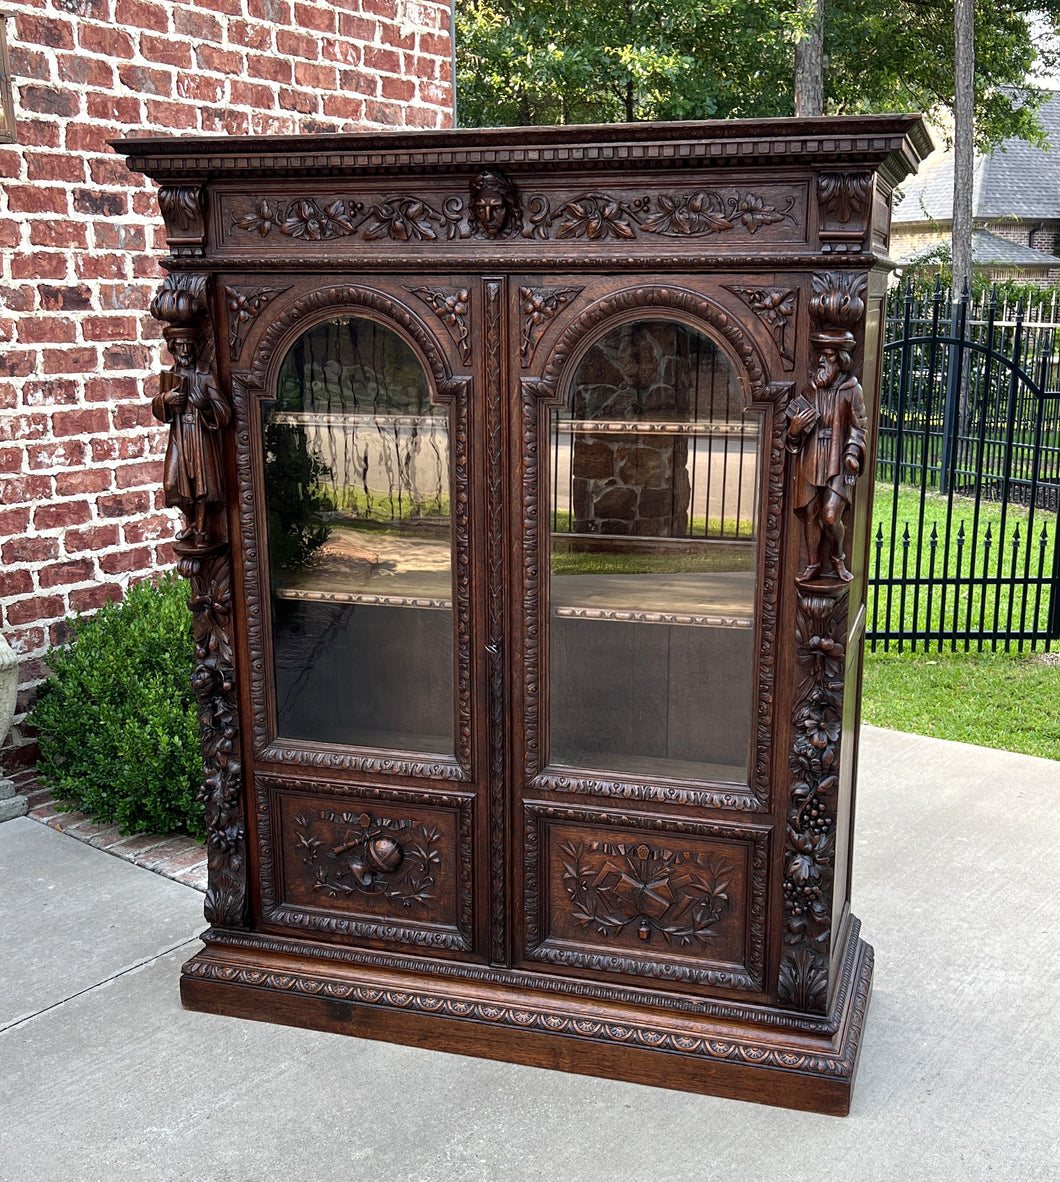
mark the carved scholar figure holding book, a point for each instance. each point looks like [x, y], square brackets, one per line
[827, 426]
[190, 401]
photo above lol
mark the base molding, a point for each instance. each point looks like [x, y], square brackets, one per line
[761, 1060]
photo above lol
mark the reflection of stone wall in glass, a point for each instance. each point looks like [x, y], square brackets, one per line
[624, 483]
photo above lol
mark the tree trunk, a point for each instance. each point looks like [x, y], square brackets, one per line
[963, 140]
[809, 65]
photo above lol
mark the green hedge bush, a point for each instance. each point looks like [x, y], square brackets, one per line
[118, 722]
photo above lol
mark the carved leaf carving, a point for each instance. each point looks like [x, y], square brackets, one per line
[539, 306]
[450, 305]
[612, 887]
[358, 854]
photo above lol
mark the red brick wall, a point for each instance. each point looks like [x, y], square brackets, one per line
[81, 513]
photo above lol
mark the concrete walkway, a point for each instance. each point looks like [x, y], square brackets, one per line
[103, 1075]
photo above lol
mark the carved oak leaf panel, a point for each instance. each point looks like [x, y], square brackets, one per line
[753, 211]
[539, 306]
[306, 219]
[450, 305]
[700, 213]
[405, 219]
[615, 886]
[597, 216]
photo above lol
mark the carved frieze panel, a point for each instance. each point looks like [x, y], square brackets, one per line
[770, 214]
[354, 861]
[644, 896]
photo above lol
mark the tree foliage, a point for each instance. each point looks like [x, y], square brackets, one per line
[578, 61]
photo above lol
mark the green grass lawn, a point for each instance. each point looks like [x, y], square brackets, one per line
[1009, 701]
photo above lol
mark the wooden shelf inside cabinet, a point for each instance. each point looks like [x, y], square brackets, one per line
[523, 476]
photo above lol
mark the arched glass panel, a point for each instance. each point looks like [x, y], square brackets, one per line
[360, 543]
[654, 521]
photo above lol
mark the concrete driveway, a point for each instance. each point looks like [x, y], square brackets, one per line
[103, 1075]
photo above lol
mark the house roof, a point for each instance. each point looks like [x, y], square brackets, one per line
[988, 250]
[1015, 180]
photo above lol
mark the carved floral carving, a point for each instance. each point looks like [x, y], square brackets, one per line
[539, 306]
[244, 306]
[214, 683]
[774, 306]
[450, 305]
[495, 210]
[617, 885]
[599, 216]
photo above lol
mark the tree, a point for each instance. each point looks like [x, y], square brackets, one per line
[809, 63]
[963, 139]
[577, 61]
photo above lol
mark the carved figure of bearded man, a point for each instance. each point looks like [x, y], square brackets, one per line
[826, 431]
[191, 402]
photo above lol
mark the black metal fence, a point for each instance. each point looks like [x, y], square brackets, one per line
[967, 505]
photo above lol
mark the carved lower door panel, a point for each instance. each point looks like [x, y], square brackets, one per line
[672, 902]
[523, 477]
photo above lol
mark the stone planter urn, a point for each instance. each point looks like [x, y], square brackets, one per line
[11, 803]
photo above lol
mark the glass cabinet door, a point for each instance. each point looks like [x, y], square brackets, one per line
[357, 489]
[654, 470]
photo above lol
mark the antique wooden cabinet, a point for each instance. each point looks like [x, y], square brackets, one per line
[520, 480]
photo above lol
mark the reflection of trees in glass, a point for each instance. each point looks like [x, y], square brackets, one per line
[388, 456]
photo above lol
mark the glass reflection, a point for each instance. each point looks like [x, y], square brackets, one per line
[360, 543]
[654, 519]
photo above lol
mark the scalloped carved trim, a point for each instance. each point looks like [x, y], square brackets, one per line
[305, 311]
[694, 309]
[528, 1016]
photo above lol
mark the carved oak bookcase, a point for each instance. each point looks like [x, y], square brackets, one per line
[525, 513]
